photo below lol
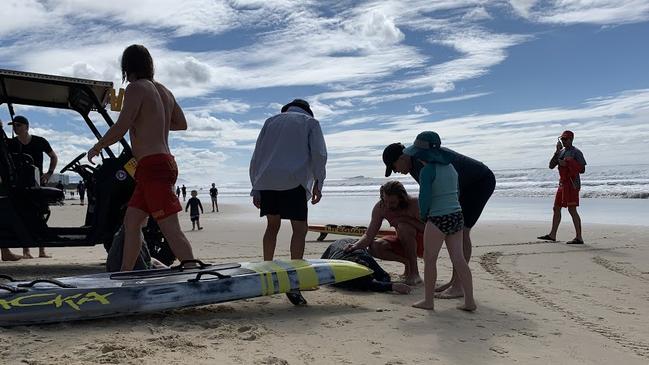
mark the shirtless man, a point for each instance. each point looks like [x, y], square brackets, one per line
[150, 111]
[402, 212]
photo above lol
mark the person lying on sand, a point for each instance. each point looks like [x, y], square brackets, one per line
[379, 281]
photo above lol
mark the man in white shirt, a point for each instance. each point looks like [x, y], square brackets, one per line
[287, 168]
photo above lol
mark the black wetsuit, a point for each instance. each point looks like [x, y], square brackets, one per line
[379, 281]
[193, 204]
[476, 183]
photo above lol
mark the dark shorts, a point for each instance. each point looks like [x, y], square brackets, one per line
[288, 204]
[194, 218]
[473, 200]
[448, 223]
[155, 177]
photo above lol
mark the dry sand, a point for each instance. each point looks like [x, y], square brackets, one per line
[538, 303]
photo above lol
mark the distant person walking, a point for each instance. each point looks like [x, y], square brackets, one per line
[287, 168]
[178, 191]
[184, 191]
[214, 194]
[193, 204]
[81, 189]
[571, 164]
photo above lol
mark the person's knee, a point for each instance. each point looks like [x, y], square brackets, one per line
[573, 211]
[556, 209]
[406, 231]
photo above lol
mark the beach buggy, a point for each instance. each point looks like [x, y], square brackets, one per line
[25, 205]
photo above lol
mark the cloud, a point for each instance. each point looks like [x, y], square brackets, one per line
[520, 138]
[457, 98]
[480, 51]
[421, 110]
[476, 14]
[602, 12]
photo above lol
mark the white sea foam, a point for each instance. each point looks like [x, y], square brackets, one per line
[623, 181]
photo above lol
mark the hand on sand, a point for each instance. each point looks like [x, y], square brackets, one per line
[423, 304]
[401, 288]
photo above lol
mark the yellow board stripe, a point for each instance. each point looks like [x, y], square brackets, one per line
[282, 277]
[269, 282]
[264, 289]
[306, 274]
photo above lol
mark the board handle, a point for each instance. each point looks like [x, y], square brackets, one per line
[181, 266]
[48, 281]
[212, 272]
[12, 289]
[7, 277]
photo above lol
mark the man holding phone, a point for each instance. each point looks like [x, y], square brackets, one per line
[571, 164]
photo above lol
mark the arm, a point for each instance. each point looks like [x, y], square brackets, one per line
[372, 228]
[187, 206]
[133, 97]
[256, 196]
[318, 155]
[201, 206]
[178, 121]
[425, 190]
[554, 161]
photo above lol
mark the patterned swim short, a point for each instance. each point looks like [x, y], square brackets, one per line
[448, 223]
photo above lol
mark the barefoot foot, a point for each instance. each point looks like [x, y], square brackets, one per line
[450, 293]
[9, 256]
[467, 307]
[443, 287]
[401, 288]
[413, 280]
[423, 304]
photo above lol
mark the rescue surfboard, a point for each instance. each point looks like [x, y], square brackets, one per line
[134, 292]
[345, 230]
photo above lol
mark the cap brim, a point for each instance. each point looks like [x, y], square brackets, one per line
[388, 170]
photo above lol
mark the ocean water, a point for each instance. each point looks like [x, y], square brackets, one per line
[355, 210]
[616, 182]
[609, 195]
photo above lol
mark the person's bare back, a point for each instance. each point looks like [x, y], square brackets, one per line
[157, 115]
[149, 107]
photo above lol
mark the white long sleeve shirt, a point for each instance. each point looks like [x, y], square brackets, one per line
[290, 151]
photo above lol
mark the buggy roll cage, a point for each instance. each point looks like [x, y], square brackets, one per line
[60, 92]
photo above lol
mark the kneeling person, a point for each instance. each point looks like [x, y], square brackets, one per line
[402, 212]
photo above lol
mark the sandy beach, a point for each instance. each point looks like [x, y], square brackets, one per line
[538, 303]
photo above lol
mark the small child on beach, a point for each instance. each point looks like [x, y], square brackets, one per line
[193, 204]
[439, 207]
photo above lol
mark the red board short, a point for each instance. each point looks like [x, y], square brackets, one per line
[567, 196]
[155, 178]
[397, 247]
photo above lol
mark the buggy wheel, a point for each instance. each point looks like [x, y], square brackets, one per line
[161, 251]
[157, 244]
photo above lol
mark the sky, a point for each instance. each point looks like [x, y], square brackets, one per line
[498, 80]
